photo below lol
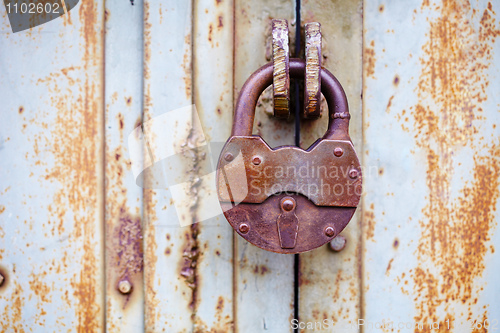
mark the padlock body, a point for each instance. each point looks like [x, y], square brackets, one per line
[252, 178]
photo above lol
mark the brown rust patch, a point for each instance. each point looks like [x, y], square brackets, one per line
[21, 109]
[395, 245]
[150, 200]
[11, 317]
[262, 269]
[369, 222]
[192, 248]
[76, 152]
[455, 229]
[128, 100]
[389, 265]
[389, 104]
[124, 250]
[369, 60]
[210, 32]
[220, 304]
[381, 8]
[187, 66]
[120, 121]
[396, 81]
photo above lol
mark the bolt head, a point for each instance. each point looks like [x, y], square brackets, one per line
[2, 279]
[228, 157]
[125, 287]
[288, 204]
[338, 243]
[329, 231]
[338, 152]
[244, 228]
[353, 173]
[256, 160]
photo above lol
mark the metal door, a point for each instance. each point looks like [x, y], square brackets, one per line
[84, 248]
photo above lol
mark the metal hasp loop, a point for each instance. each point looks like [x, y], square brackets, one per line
[338, 110]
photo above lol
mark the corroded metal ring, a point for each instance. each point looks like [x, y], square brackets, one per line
[312, 86]
[281, 75]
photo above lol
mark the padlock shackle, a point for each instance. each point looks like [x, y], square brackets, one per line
[338, 109]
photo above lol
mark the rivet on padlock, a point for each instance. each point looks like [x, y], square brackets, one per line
[280, 211]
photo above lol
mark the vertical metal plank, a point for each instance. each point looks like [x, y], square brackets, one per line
[213, 97]
[263, 280]
[51, 148]
[167, 247]
[431, 127]
[123, 209]
[329, 284]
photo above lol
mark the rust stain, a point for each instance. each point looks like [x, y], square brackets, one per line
[21, 109]
[149, 196]
[396, 81]
[77, 156]
[222, 323]
[190, 255]
[39, 288]
[389, 267]
[124, 252]
[262, 269]
[455, 230]
[369, 221]
[127, 254]
[120, 121]
[220, 304]
[381, 8]
[187, 66]
[85, 284]
[210, 31]
[395, 245]
[369, 59]
[192, 249]
[389, 104]
[11, 317]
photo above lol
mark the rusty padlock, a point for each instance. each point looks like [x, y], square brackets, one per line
[286, 199]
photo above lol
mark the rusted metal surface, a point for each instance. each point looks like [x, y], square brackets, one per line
[316, 173]
[329, 282]
[281, 76]
[317, 224]
[312, 85]
[51, 162]
[288, 223]
[432, 97]
[213, 97]
[123, 198]
[169, 250]
[263, 280]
